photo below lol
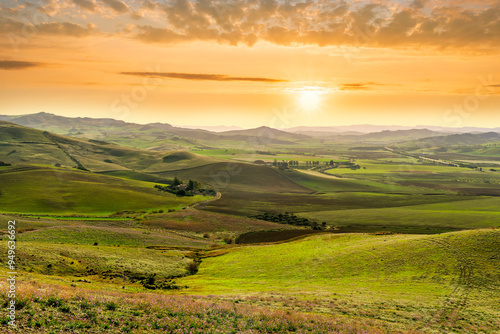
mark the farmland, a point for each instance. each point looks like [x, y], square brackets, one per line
[299, 234]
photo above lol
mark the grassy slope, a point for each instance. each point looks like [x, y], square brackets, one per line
[248, 189]
[466, 214]
[56, 190]
[423, 281]
[201, 221]
[233, 176]
[20, 144]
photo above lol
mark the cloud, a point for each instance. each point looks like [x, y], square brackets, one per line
[359, 86]
[118, 6]
[419, 23]
[86, 4]
[23, 29]
[201, 77]
[65, 28]
[17, 65]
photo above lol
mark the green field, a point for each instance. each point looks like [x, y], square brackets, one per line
[397, 246]
[63, 191]
[425, 218]
[447, 282]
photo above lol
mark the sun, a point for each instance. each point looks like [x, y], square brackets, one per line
[309, 99]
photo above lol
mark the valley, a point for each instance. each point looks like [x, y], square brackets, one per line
[124, 227]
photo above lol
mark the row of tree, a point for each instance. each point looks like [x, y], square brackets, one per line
[289, 219]
[189, 188]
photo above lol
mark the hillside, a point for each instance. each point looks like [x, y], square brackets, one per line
[385, 136]
[34, 189]
[264, 133]
[19, 144]
[455, 140]
[422, 282]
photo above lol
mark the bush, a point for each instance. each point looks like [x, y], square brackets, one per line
[64, 309]
[192, 267]
[111, 306]
[54, 302]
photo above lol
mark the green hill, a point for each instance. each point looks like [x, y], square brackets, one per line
[234, 176]
[34, 189]
[425, 282]
[19, 144]
[455, 140]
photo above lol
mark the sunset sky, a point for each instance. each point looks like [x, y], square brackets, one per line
[254, 62]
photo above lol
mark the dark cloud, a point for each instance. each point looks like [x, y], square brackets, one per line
[86, 4]
[17, 65]
[200, 77]
[118, 6]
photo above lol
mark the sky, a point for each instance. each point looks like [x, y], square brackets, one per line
[253, 63]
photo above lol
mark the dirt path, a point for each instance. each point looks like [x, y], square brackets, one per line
[218, 196]
[327, 176]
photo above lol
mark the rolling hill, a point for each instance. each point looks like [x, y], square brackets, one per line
[385, 136]
[19, 144]
[37, 190]
[448, 280]
[455, 140]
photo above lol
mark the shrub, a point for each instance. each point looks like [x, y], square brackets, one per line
[54, 302]
[65, 309]
[111, 306]
[192, 267]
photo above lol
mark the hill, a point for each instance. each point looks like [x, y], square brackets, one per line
[153, 136]
[455, 140]
[264, 132]
[384, 137]
[19, 144]
[39, 190]
[450, 280]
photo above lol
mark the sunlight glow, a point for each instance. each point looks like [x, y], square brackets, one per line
[309, 100]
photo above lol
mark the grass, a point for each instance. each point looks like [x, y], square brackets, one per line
[202, 221]
[379, 167]
[251, 203]
[111, 264]
[450, 281]
[425, 218]
[106, 236]
[63, 191]
[87, 311]
[234, 176]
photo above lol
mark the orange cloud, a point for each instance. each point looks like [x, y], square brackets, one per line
[197, 76]
[18, 65]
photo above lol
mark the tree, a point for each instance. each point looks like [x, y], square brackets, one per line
[176, 181]
[193, 185]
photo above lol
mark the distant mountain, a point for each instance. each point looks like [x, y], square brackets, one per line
[361, 128]
[456, 139]
[264, 131]
[153, 136]
[367, 128]
[216, 128]
[42, 120]
[382, 137]
[398, 135]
